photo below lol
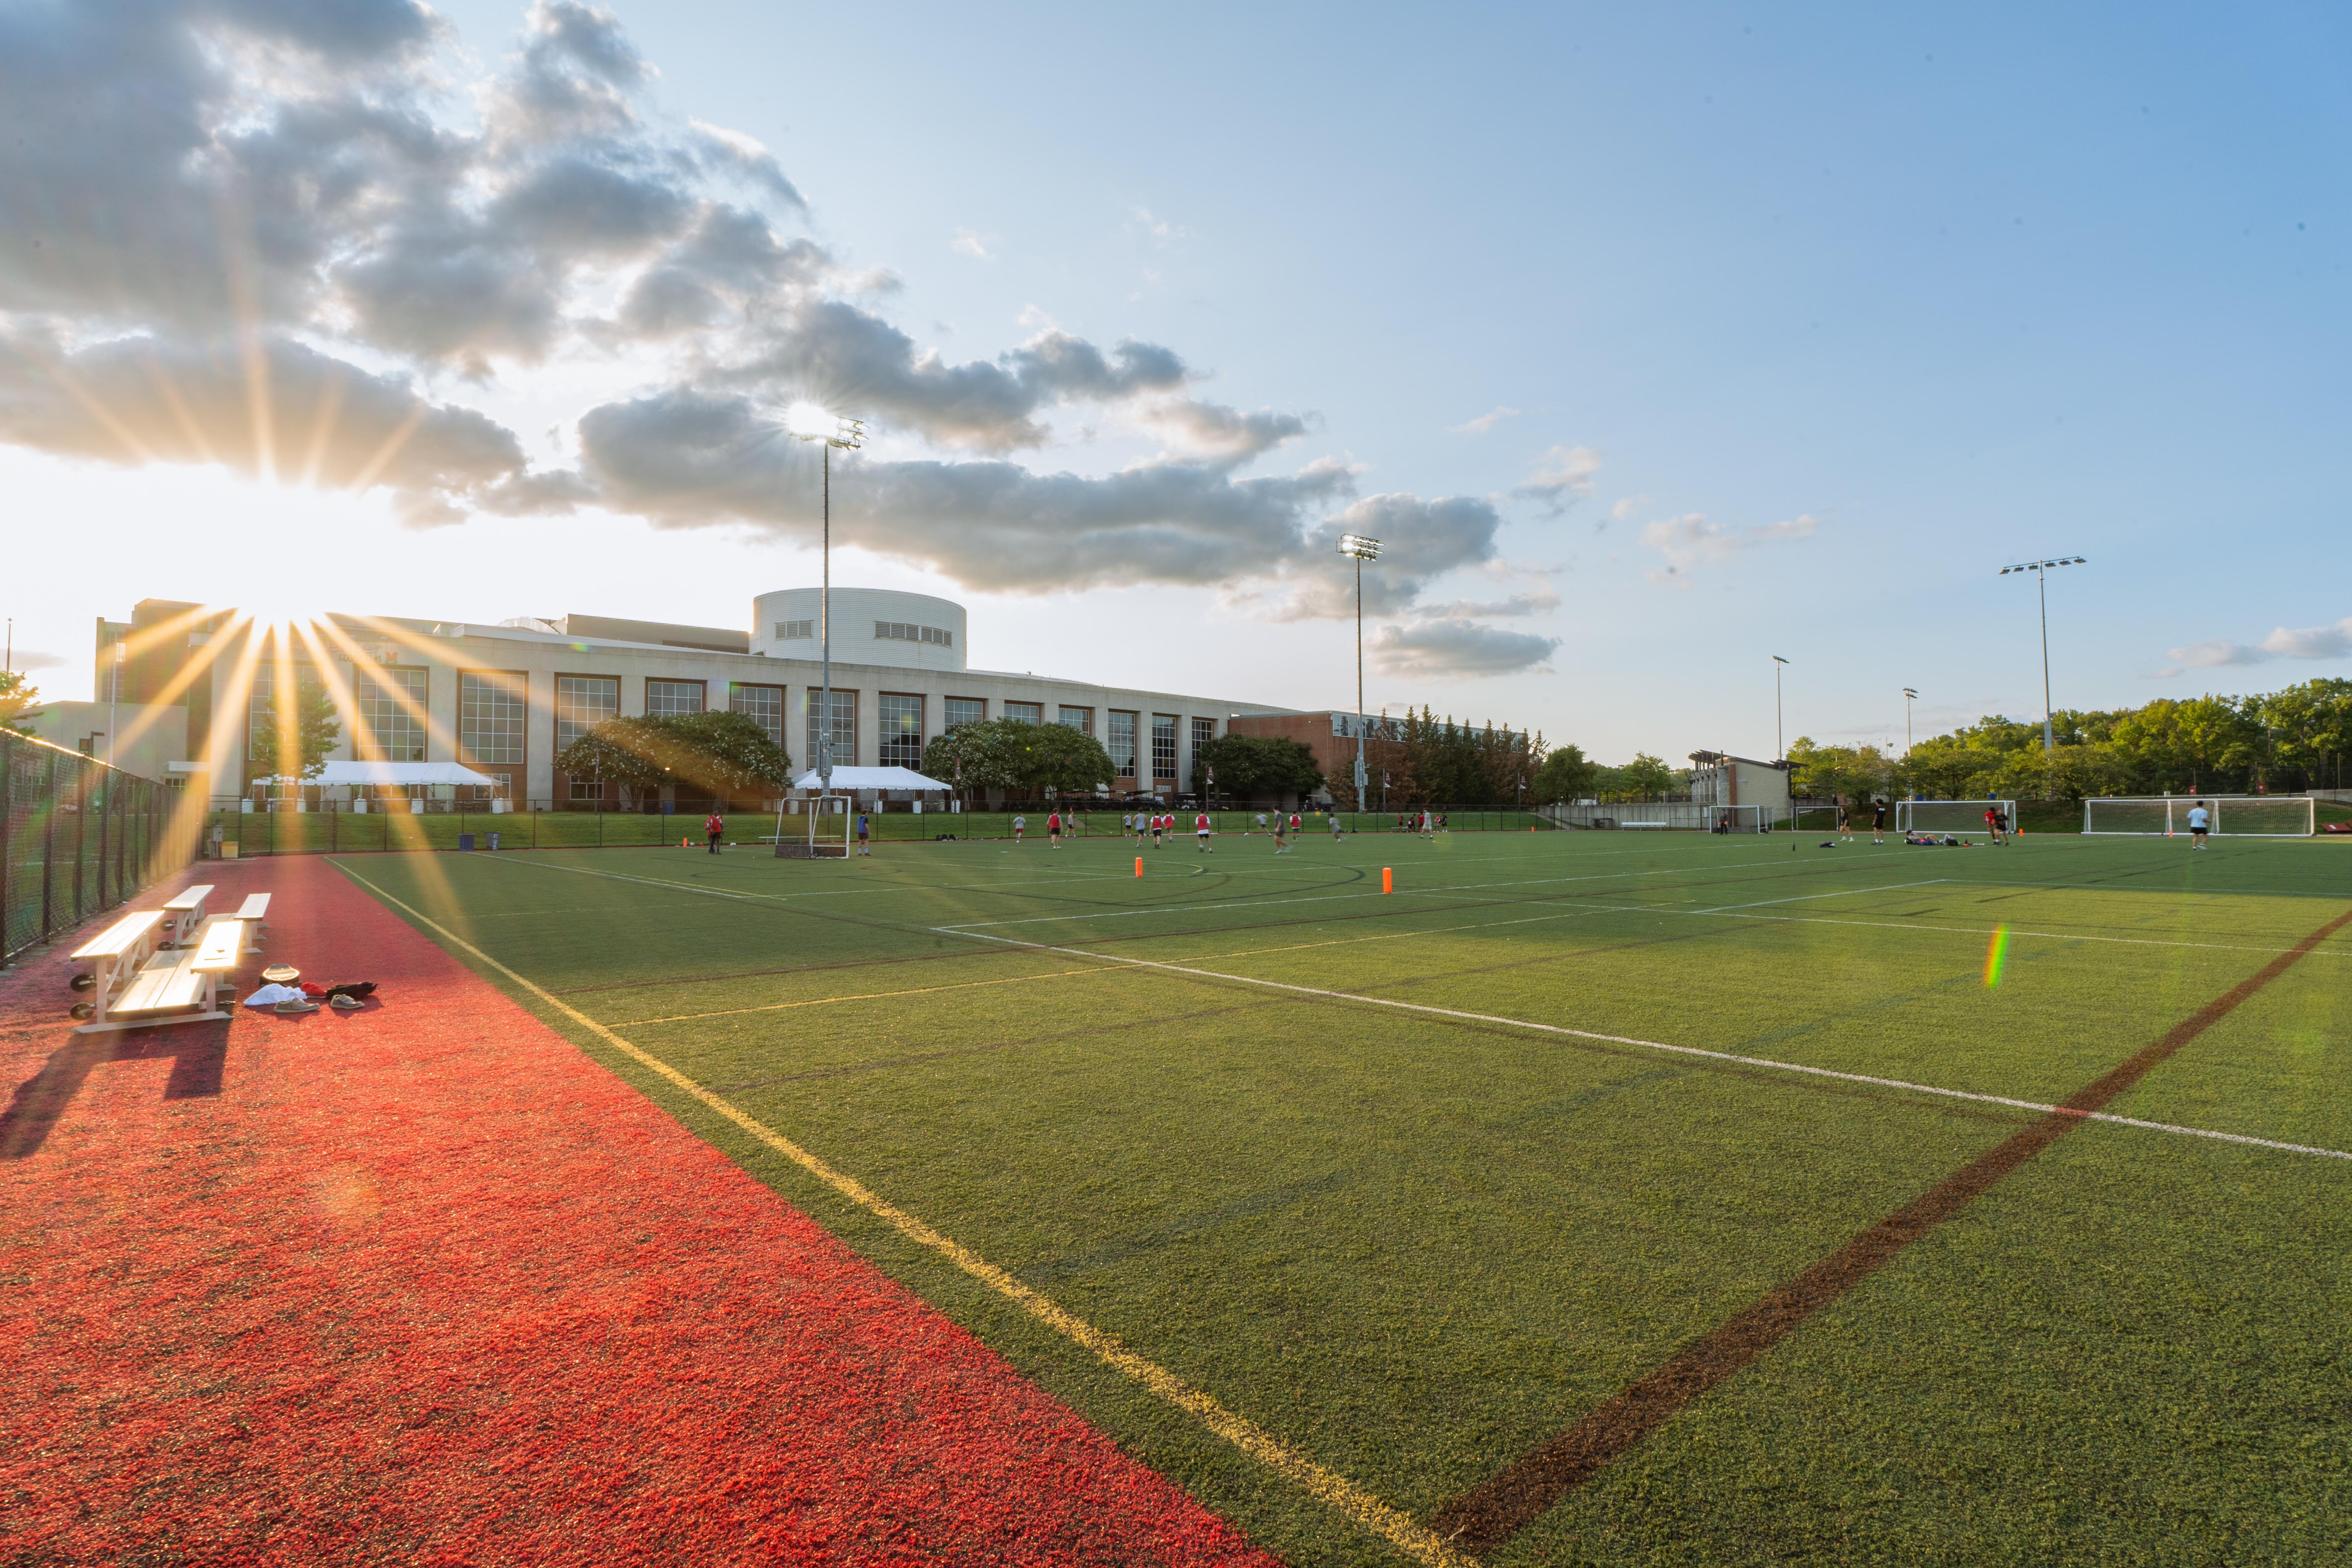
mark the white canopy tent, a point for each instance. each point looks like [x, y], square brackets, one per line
[401, 774]
[849, 779]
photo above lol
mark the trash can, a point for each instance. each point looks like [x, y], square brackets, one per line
[464, 841]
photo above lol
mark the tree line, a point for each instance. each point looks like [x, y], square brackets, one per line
[2277, 743]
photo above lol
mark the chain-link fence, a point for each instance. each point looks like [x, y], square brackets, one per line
[76, 838]
[233, 828]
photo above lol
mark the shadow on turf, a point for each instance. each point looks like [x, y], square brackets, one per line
[197, 1054]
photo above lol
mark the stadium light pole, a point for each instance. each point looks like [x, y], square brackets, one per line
[2041, 570]
[1909, 696]
[1360, 550]
[1781, 750]
[808, 422]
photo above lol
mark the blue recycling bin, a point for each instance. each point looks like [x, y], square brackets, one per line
[464, 841]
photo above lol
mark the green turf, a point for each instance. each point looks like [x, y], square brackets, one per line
[1413, 1246]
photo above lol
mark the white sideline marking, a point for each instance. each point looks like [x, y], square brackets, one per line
[1367, 1508]
[2338, 952]
[1838, 893]
[1767, 1062]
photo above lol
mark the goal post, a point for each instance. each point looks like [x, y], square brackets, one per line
[1950, 816]
[2226, 816]
[1734, 819]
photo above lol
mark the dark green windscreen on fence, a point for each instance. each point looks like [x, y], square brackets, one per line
[76, 838]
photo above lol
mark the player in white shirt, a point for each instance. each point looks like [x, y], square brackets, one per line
[1020, 826]
[1338, 832]
[2198, 822]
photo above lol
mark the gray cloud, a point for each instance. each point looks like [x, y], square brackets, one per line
[278, 408]
[1456, 650]
[219, 211]
[2332, 641]
[688, 458]
[1534, 602]
[1213, 430]
[27, 660]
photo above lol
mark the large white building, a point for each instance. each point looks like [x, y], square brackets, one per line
[506, 699]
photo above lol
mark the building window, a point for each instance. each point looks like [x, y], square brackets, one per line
[588, 789]
[899, 720]
[1163, 746]
[1203, 732]
[583, 702]
[844, 726]
[490, 717]
[763, 704]
[667, 699]
[1025, 712]
[1121, 734]
[903, 631]
[965, 711]
[795, 631]
[390, 714]
[1082, 720]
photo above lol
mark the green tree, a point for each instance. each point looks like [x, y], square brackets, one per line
[723, 753]
[1566, 774]
[292, 735]
[1054, 759]
[974, 757]
[17, 693]
[1256, 767]
[625, 753]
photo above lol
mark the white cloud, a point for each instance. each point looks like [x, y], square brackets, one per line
[28, 660]
[2333, 641]
[967, 243]
[1486, 421]
[1533, 603]
[1691, 541]
[1456, 650]
[1624, 509]
[1563, 475]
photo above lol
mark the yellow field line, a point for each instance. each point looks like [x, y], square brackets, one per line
[875, 995]
[1400, 1529]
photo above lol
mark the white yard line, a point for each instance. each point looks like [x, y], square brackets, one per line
[1800, 897]
[1766, 1062]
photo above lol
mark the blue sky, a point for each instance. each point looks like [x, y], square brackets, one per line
[1690, 335]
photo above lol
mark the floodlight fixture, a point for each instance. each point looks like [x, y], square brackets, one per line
[1359, 547]
[813, 422]
[2041, 570]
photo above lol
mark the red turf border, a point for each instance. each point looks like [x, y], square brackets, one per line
[426, 1284]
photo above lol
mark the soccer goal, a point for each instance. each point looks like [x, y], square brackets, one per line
[2234, 816]
[1735, 819]
[1950, 816]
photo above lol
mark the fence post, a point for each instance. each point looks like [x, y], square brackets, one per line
[105, 811]
[7, 846]
[48, 841]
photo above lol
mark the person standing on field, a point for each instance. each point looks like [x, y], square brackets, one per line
[1201, 831]
[716, 829]
[865, 845]
[2198, 822]
[1280, 826]
[1054, 831]
[1993, 822]
[1878, 821]
[1020, 826]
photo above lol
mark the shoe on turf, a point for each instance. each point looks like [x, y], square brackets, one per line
[291, 1008]
[345, 1002]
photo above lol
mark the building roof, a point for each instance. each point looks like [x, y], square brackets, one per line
[393, 773]
[870, 778]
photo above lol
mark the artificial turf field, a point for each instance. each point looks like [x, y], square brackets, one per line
[1228, 1168]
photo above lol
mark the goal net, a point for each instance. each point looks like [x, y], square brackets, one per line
[2235, 815]
[1734, 819]
[1950, 816]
